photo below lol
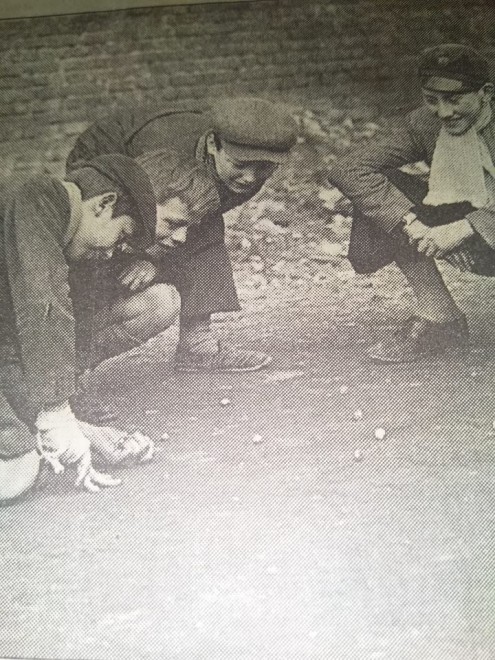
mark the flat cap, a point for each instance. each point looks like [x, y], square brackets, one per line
[454, 62]
[254, 129]
[131, 181]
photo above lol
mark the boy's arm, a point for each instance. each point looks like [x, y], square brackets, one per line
[482, 222]
[361, 177]
[35, 222]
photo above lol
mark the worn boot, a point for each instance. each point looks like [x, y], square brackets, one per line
[200, 351]
[419, 338]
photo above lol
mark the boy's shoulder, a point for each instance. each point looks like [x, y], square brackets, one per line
[29, 181]
[45, 191]
[424, 122]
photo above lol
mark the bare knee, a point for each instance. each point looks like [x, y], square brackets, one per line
[162, 302]
[18, 475]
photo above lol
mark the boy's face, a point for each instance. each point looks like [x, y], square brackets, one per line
[99, 232]
[241, 176]
[457, 110]
[172, 221]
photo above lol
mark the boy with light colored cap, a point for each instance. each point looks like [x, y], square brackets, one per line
[240, 142]
[401, 218]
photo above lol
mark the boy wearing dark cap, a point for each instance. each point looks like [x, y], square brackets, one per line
[45, 225]
[239, 142]
[452, 216]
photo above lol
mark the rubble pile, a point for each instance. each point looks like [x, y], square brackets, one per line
[296, 230]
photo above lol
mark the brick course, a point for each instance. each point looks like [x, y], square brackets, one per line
[60, 71]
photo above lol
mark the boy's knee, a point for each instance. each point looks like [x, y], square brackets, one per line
[162, 302]
[18, 475]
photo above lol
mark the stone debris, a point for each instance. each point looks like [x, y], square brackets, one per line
[358, 455]
[380, 433]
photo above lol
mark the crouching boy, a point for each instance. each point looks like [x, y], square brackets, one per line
[46, 224]
[400, 218]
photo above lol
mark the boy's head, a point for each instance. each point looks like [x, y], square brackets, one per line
[249, 139]
[455, 81]
[184, 191]
[118, 204]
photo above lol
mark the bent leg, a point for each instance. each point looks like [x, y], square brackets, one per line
[131, 321]
[372, 248]
[433, 299]
[204, 279]
[439, 326]
[206, 284]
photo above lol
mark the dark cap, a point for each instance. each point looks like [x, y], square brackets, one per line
[131, 180]
[453, 62]
[173, 175]
[254, 129]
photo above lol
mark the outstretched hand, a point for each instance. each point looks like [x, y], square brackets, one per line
[89, 478]
[62, 444]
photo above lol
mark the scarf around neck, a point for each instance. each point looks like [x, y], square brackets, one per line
[462, 169]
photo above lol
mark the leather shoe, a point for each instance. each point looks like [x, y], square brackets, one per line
[418, 339]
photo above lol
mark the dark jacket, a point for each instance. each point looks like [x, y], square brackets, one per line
[36, 317]
[134, 132]
[362, 174]
[201, 268]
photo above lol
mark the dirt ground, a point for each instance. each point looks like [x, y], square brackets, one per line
[275, 525]
[290, 545]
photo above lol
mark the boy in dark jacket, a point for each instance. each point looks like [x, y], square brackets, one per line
[46, 224]
[240, 142]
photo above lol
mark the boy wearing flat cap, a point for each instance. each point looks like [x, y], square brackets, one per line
[45, 224]
[404, 219]
[238, 143]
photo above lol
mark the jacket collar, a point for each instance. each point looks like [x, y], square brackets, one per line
[75, 202]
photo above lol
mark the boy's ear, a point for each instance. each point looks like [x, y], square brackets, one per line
[211, 146]
[489, 89]
[103, 202]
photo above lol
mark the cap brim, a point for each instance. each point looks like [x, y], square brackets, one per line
[436, 83]
[254, 154]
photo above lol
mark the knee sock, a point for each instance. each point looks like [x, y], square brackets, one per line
[434, 300]
[110, 342]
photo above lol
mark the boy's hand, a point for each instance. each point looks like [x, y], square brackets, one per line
[438, 241]
[114, 448]
[62, 443]
[415, 231]
[139, 275]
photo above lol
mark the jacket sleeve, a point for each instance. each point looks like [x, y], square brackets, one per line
[107, 136]
[483, 223]
[35, 222]
[361, 176]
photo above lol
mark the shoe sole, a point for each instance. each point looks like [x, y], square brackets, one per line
[194, 370]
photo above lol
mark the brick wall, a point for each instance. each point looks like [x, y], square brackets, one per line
[57, 73]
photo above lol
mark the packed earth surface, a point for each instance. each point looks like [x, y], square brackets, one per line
[323, 508]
